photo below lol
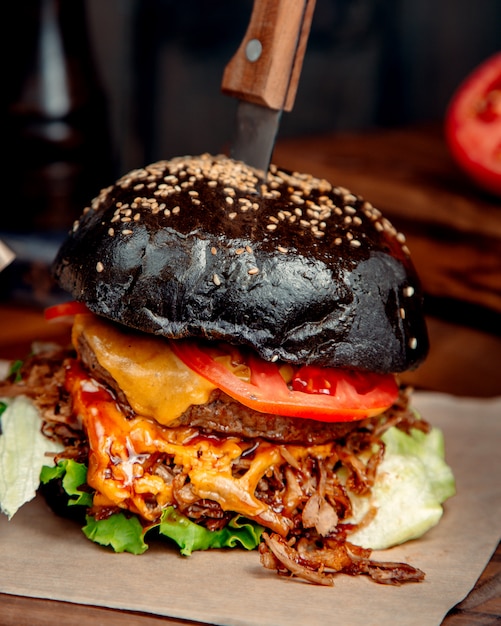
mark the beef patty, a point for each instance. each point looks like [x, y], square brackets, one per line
[226, 416]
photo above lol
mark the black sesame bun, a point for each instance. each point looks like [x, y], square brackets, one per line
[299, 269]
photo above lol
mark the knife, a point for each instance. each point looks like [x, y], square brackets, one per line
[264, 75]
[6, 255]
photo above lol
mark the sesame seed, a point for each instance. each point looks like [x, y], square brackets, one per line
[274, 358]
[249, 249]
[126, 232]
[271, 227]
[216, 280]
[408, 291]
[213, 250]
[282, 249]
[253, 270]
[413, 343]
[338, 241]
[99, 267]
[229, 200]
[167, 213]
[239, 250]
[176, 210]
[402, 313]
[355, 243]
[400, 237]
[111, 232]
[232, 215]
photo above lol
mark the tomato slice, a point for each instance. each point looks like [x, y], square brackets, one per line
[324, 394]
[473, 125]
[65, 311]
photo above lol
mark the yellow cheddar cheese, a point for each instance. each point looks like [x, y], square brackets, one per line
[122, 450]
[155, 382]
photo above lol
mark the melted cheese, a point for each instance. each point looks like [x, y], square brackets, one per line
[123, 451]
[155, 382]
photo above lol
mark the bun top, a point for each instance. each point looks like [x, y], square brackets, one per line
[299, 269]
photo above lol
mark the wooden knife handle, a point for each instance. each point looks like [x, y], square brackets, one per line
[279, 29]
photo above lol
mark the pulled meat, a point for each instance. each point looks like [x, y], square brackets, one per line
[41, 378]
[319, 564]
[304, 491]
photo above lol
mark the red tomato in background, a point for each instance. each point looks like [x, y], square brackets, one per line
[473, 125]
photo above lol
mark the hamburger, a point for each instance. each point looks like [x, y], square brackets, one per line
[232, 378]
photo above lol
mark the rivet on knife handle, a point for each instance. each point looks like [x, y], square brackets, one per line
[280, 29]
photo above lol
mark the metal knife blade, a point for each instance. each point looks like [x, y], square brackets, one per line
[264, 74]
[255, 131]
[6, 255]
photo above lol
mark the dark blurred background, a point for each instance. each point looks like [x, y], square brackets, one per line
[93, 89]
[368, 63]
[159, 64]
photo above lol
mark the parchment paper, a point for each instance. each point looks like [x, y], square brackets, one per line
[47, 557]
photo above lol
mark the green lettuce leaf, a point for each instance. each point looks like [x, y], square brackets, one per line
[119, 531]
[412, 483]
[23, 452]
[73, 476]
[126, 534]
[190, 536]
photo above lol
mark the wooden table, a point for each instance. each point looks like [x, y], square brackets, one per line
[454, 233]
